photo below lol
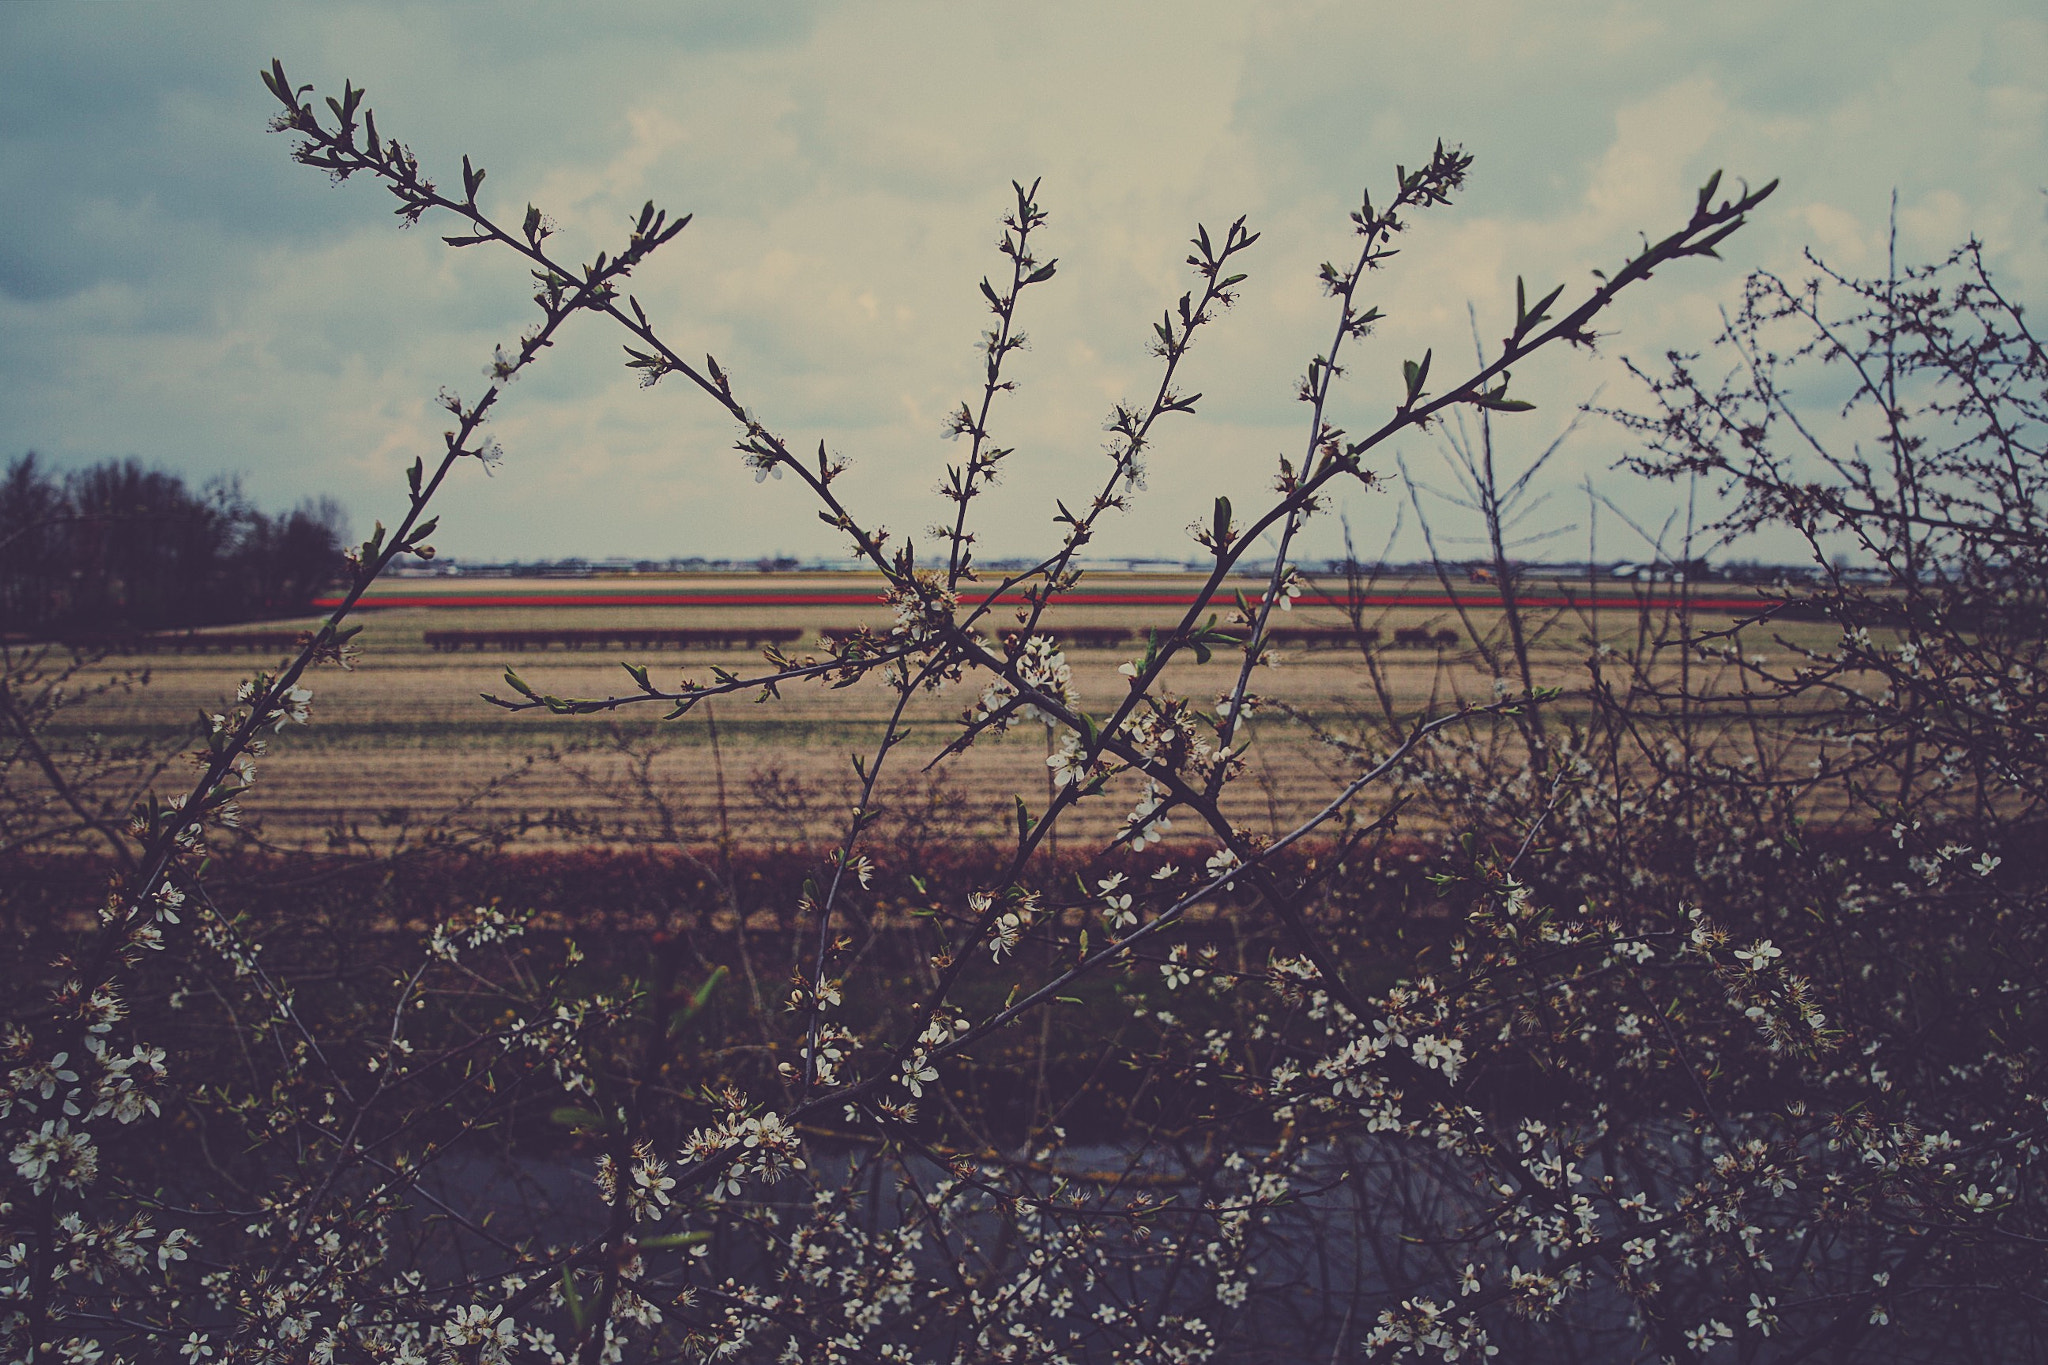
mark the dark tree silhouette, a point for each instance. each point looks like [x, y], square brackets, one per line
[122, 547]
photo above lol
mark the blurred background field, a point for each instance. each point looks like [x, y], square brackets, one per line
[404, 743]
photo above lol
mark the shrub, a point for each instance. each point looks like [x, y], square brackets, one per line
[1686, 1072]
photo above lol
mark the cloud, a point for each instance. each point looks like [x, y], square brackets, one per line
[171, 286]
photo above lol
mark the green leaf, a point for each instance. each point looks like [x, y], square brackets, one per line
[1497, 401]
[670, 1240]
[702, 995]
[1417, 376]
[1707, 190]
[1043, 272]
[573, 1299]
[1527, 317]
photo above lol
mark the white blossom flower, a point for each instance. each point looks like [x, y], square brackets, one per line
[1708, 1335]
[1067, 761]
[1759, 954]
[173, 1247]
[54, 1150]
[295, 706]
[485, 1328]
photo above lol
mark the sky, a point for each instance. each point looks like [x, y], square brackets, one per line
[174, 288]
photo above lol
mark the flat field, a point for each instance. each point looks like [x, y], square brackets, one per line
[403, 746]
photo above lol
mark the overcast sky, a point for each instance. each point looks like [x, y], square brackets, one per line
[173, 287]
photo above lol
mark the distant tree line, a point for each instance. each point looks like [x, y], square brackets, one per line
[120, 547]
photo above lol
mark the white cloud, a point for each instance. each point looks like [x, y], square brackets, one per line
[847, 172]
